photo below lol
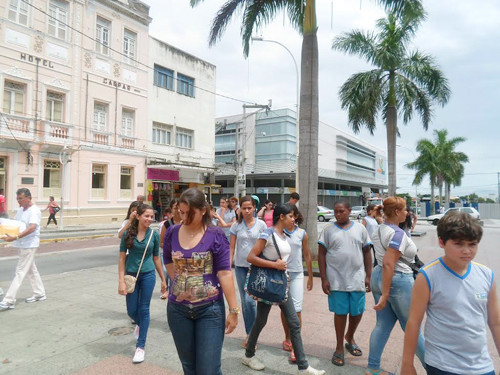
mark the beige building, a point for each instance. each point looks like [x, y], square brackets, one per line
[76, 124]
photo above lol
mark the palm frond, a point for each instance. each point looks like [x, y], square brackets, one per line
[404, 8]
[222, 19]
[356, 43]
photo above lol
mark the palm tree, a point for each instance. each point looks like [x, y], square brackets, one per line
[426, 165]
[302, 15]
[402, 82]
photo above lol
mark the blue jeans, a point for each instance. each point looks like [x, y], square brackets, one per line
[397, 308]
[293, 323]
[138, 304]
[248, 304]
[435, 371]
[198, 335]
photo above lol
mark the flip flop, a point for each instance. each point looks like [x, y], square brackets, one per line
[292, 357]
[287, 346]
[338, 359]
[354, 349]
[377, 372]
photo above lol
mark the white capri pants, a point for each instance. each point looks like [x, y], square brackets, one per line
[297, 289]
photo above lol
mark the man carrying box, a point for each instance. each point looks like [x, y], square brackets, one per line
[27, 242]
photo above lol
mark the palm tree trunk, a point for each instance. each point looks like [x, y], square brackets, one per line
[392, 130]
[433, 210]
[308, 128]
[447, 194]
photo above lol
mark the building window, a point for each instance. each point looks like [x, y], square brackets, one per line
[55, 106]
[162, 133]
[103, 32]
[51, 179]
[18, 11]
[13, 98]
[129, 46]
[58, 18]
[185, 85]
[100, 117]
[184, 138]
[127, 123]
[164, 77]
[99, 181]
[126, 182]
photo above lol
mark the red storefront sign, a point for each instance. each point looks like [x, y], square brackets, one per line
[162, 174]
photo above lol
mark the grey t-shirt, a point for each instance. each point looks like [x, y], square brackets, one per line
[245, 239]
[395, 238]
[295, 239]
[228, 217]
[345, 268]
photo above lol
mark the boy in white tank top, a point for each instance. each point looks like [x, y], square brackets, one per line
[459, 298]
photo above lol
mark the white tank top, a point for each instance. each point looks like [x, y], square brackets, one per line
[455, 329]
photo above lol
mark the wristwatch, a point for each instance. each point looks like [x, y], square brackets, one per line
[234, 310]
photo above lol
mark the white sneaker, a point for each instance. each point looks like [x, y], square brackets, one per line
[6, 306]
[139, 355]
[136, 332]
[253, 363]
[35, 299]
[311, 371]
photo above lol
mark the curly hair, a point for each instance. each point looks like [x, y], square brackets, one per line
[131, 234]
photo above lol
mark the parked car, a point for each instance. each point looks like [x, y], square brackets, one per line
[434, 219]
[358, 212]
[324, 213]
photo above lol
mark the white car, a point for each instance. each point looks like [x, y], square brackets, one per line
[324, 213]
[358, 212]
[434, 219]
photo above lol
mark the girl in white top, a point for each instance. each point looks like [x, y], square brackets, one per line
[283, 217]
[244, 235]
[299, 243]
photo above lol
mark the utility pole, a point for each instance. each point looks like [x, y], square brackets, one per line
[240, 178]
[498, 176]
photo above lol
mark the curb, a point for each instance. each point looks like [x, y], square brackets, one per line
[63, 239]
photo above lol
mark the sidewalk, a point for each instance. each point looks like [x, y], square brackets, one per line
[82, 328]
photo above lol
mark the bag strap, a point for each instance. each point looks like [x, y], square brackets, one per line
[276, 245]
[401, 259]
[144, 254]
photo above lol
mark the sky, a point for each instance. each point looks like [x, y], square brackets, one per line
[463, 37]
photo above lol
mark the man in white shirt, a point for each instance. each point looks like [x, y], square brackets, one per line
[27, 242]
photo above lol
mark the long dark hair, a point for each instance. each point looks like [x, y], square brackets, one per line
[195, 198]
[299, 219]
[246, 198]
[134, 225]
[131, 207]
[281, 209]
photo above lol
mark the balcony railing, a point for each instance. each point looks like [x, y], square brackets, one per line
[127, 142]
[101, 138]
[18, 127]
[55, 132]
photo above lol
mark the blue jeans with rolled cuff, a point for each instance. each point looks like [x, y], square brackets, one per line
[138, 304]
[248, 304]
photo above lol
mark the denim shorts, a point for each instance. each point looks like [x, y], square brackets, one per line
[343, 303]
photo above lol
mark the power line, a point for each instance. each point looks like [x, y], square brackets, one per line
[128, 57]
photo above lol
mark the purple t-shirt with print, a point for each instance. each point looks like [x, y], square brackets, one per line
[196, 280]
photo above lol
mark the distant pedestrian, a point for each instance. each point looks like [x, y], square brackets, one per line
[299, 244]
[266, 213]
[137, 237]
[294, 199]
[131, 214]
[459, 298]
[392, 281]
[409, 224]
[27, 242]
[372, 219]
[345, 266]
[140, 199]
[3, 206]
[244, 234]
[53, 208]
[196, 255]
[283, 217]
[234, 205]
[225, 216]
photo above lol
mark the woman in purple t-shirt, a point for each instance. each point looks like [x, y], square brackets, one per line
[196, 255]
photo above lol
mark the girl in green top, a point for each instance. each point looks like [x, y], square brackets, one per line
[136, 239]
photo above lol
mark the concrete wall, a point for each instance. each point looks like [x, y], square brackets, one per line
[489, 210]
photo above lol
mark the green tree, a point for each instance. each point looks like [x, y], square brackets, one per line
[302, 15]
[403, 81]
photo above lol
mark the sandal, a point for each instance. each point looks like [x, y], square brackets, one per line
[164, 295]
[338, 359]
[354, 349]
[292, 356]
[287, 346]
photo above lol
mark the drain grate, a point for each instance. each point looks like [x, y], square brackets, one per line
[119, 331]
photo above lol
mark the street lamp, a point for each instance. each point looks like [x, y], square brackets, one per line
[260, 39]
[416, 193]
